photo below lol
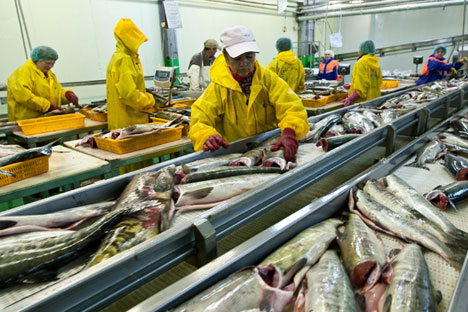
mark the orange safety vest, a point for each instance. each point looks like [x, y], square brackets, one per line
[330, 66]
[424, 68]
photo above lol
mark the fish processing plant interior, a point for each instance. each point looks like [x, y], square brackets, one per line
[203, 247]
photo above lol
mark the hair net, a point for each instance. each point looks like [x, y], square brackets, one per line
[330, 52]
[440, 47]
[43, 53]
[283, 44]
[367, 47]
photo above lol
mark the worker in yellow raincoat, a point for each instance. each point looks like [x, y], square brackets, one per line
[287, 65]
[367, 76]
[244, 99]
[33, 89]
[127, 98]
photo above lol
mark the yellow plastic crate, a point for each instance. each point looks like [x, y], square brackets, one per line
[389, 84]
[52, 123]
[85, 111]
[184, 102]
[25, 169]
[185, 130]
[97, 116]
[139, 142]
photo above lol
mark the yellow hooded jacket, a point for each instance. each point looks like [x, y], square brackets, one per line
[222, 108]
[125, 83]
[367, 78]
[30, 92]
[289, 67]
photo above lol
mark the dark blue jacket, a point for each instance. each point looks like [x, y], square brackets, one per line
[435, 69]
[328, 71]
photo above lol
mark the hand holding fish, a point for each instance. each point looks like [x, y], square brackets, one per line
[289, 143]
[214, 142]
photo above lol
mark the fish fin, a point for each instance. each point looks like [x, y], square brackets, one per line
[6, 224]
[291, 272]
[452, 204]
[201, 193]
[392, 254]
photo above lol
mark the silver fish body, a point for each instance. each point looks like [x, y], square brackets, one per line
[250, 158]
[227, 171]
[429, 154]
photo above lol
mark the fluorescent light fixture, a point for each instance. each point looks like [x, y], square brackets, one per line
[356, 1]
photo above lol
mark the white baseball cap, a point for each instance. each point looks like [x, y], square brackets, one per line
[238, 40]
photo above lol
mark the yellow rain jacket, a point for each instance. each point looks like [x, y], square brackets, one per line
[222, 109]
[289, 67]
[367, 78]
[30, 92]
[125, 83]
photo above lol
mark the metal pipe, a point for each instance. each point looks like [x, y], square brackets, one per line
[463, 32]
[21, 30]
[24, 24]
[328, 8]
[382, 10]
[243, 5]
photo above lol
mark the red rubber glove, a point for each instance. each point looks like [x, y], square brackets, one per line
[349, 100]
[289, 143]
[53, 107]
[347, 85]
[72, 97]
[214, 142]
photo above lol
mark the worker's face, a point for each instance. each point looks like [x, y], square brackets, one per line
[327, 56]
[439, 53]
[360, 53]
[211, 52]
[45, 66]
[241, 65]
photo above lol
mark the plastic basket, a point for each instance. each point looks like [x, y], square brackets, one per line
[25, 169]
[389, 84]
[52, 123]
[85, 111]
[184, 102]
[315, 103]
[185, 130]
[139, 142]
[97, 116]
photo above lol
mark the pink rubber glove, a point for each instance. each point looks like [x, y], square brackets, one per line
[347, 85]
[289, 143]
[72, 97]
[53, 107]
[349, 100]
[214, 142]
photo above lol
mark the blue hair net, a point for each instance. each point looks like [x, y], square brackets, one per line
[367, 47]
[440, 47]
[43, 53]
[283, 44]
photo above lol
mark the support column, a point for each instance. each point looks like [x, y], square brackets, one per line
[306, 36]
[169, 38]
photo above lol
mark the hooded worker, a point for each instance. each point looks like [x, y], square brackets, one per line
[199, 67]
[367, 76]
[329, 67]
[244, 99]
[127, 98]
[287, 65]
[33, 88]
[436, 68]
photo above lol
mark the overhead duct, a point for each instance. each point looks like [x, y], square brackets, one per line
[336, 7]
[398, 8]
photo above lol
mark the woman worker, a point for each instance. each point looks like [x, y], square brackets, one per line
[127, 98]
[288, 66]
[367, 76]
[329, 67]
[33, 88]
[436, 68]
[245, 99]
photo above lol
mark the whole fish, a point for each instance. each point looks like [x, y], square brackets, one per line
[246, 290]
[210, 162]
[448, 194]
[330, 143]
[351, 126]
[388, 116]
[207, 194]
[69, 218]
[376, 120]
[360, 120]
[321, 128]
[459, 126]
[326, 287]
[337, 129]
[31, 153]
[140, 129]
[404, 191]
[379, 216]
[227, 171]
[363, 253]
[457, 166]
[429, 154]
[411, 288]
[250, 158]
[276, 159]
[301, 251]
[453, 139]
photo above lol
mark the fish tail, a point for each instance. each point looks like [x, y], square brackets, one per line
[416, 165]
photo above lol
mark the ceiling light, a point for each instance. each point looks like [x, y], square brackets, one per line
[356, 1]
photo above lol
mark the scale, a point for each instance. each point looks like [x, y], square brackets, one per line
[417, 60]
[164, 78]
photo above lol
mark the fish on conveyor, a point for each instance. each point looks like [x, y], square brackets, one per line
[359, 119]
[333, 142]
[418, 202]
[429, 154]
[460, 127]
[374, 118]
[207, 194]
[411, 288]
[300, 252]
[247, 290]
[321, 128]
[6, 150]
[276, 159]
[227, 171]
[67, 218]
[363, 253]
[326, 287]
[22, 260]
[337, 129]
[388, 116]
[352, 127]
[30, 237]
[457, 166]
[31, 153]
[386, 198]
[308, 152]
[380, 217]
[250, 158]
[450, 138]
[451, 193]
